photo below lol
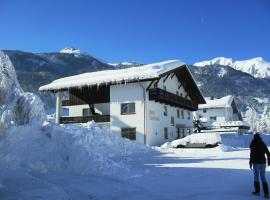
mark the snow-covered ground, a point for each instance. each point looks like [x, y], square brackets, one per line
[164, 174]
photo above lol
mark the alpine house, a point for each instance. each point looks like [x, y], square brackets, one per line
[152, 103]
[222, 113]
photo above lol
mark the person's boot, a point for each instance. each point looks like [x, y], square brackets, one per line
[257, 188]
[265, 190]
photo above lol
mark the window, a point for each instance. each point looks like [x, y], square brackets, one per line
[181, 94]
[127, 108]
[213, 118]
[164, 87]
[188, 115]
[182, 114]
[172, 120]
[188, 131]
[204, 110]
[183, 132]
[165, 111]
[177, 93]
[165, 133]
[129, 133]
[178, 113]
[178, 133]
[86, 112]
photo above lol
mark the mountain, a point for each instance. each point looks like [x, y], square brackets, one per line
[36, 69]
[257, 67]
[126, 64]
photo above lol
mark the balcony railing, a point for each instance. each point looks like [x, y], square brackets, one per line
[165, 97]
[84, 119]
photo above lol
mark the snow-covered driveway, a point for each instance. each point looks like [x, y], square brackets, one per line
[171, 174]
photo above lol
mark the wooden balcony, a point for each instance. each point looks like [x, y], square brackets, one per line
[84, 119]
[162, 96]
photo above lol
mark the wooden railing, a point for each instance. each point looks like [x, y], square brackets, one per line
[84, 119]
[165, 97]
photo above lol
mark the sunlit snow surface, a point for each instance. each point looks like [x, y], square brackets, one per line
[141, 173]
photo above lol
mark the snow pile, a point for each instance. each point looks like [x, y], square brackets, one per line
[85, 150]
[16, 107]
[114, 76]
[200, 138]
[71, 50]
[257, 67]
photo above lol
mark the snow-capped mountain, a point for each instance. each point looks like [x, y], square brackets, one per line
[71, 50]
[256, 67]
[125, 64]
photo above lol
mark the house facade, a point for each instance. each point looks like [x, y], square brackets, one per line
[220, 109]
[151, 104]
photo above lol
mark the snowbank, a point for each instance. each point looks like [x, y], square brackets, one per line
[85, 150]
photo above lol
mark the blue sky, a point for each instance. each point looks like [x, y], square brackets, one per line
[139, 30]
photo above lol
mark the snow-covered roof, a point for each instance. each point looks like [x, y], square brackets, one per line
[217, 103]
[149, 71]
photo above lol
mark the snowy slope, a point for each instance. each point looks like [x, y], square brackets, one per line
[257, 67]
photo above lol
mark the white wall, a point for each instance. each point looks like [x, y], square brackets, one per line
[156, 121]
[128, 93]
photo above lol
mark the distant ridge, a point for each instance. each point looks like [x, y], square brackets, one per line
[256, 67]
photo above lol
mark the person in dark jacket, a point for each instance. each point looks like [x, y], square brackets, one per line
[257, 160]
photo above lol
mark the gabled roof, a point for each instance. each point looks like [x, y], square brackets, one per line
[217, 103]
[133, 74]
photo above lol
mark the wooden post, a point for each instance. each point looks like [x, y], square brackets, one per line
[58, 112]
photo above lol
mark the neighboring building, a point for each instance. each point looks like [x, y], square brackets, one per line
[221, 113]
[152, 104]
